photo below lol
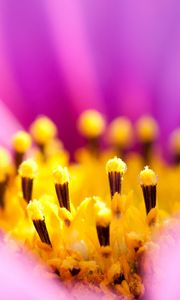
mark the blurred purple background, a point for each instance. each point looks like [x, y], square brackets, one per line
[60, 57]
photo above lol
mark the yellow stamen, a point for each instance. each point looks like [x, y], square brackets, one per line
[103, 217]
[147, 129]
[61, 178]
[35, 210]
[148, 180]
[148, 177]
[115, 169]
[21, 141]
[61, 175]
[103, 220]
[43, 130]
[120, 132]
[28, 169]
[116, 165]
[91, 124]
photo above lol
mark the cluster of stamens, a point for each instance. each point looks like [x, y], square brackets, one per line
[102, 244]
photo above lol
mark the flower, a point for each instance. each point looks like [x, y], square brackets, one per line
[91, 227]
[89, 221]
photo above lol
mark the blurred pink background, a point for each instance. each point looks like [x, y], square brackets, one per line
[60, 57]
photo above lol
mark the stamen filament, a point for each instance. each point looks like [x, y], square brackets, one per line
[61, 178]
[103, 234]
[149, 193]
[35, 212]
[27, 187]
[103, 220]
[148, 180]
[62, 191]
[41, 229]
[115, 183]
[147, 131]
[147, 151]
[27, 171]
[115, 169]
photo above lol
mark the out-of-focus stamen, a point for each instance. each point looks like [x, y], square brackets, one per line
[21, 143]
[91, 125]
[175, 145]
[5, 160]
[35, 212]
[120, 134]
[148, 181]
[147, 132]
[43, 130]
[115, 169]
[27, 171]
[61, 179]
